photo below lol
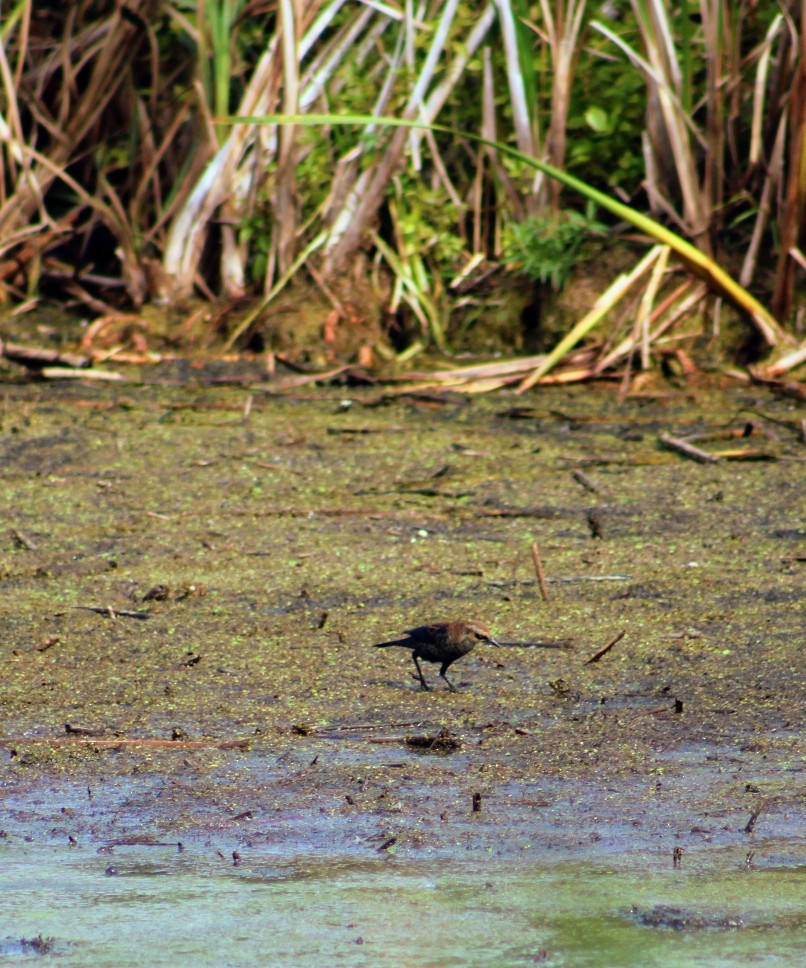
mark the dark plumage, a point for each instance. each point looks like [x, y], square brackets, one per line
[443, 642]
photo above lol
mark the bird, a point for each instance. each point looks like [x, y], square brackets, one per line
[443, 642]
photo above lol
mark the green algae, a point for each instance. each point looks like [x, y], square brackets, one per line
[157, 905]
[290, 542]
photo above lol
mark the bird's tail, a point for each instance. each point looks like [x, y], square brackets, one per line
[385, 645]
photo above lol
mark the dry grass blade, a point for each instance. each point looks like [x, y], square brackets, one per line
[792, 219]
[694, 259]
[770, 187]
[87, 102]
[614, 294]
[564, 27]
[370, 202]
[786, 363]
[115, 126]
[525, 125]
[284, 193]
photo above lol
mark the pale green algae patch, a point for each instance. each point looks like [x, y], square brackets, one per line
[163, 907]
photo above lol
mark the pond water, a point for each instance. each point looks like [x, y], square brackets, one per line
[157, 905]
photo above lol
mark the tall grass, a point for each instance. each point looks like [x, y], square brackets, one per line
[122, 179]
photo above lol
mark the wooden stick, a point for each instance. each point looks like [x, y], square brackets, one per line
[731, 433]
[111, 612]
[748, 453]
[23, 541]
[751, 823]
[605, 649]
[582, 478]
[688, 450]
[141, 842]
[65, 373]
[541, 578]
[232, 744]
[49, 642]
[594, 578]
[35, 358]
[320, 730]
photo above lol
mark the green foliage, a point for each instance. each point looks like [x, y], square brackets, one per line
[138, 157]
[608, 106]
[254, 231]
[426, 224]
[547, 247]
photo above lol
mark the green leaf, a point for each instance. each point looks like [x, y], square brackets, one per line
[598, 120]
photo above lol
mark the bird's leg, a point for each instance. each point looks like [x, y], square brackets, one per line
[442, 672]
[423, 683]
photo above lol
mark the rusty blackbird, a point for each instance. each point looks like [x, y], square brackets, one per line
[443, 642]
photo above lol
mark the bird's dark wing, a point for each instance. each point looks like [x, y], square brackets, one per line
[426, 632]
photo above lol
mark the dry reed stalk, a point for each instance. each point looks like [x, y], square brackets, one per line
[541, 578]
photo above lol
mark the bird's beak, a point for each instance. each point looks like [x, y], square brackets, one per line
[495, 642]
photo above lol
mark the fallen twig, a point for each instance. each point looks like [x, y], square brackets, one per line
[79, 730]
[140, 842]
[280, 384]
[535, 645]
[63, 373]
[540, 512]
[567, 579]
[593, 578]
[688, 450]
[111, 612]
[22, 540]
[590, 485]
[34, 358]
[751, 823]
[443, 741]
[541, 578]
[324, 730]
[73, 740]
[785, 363]
[746, 454]
[732, 433]
[48, 643]
[605, 649]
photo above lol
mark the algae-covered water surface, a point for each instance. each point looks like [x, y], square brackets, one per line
[162, 908]
[190, 589]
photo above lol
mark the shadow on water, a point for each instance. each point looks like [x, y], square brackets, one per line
[159, 906]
